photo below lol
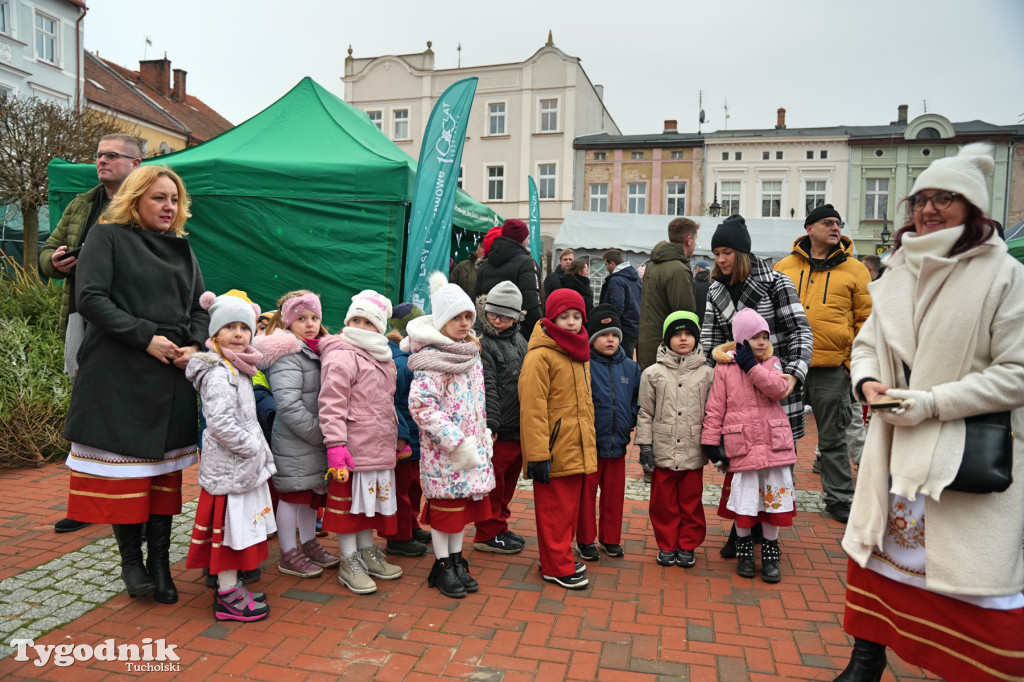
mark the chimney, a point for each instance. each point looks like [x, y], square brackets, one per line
[781, 120]
[156, 73]
[600, 92]
[901, 117]
[671, 126]
[179, 85]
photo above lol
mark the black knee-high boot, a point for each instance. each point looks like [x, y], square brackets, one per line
[133, 573]
[867, 662]
[158, 537]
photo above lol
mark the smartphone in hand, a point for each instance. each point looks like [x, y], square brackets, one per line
[883, 403]
[73, 253]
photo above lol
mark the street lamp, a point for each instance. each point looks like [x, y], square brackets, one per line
[885, 235]
[715, 209]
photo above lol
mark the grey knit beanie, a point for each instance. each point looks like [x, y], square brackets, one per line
[504, 298]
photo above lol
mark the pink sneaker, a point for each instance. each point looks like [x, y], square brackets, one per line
[294, 562]
[238, 604]
[315, 552]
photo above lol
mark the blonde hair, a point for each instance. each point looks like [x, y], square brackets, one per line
[123, 207]
[277, 323]
[740, 268]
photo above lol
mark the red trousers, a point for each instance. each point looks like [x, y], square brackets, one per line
[611, 477]
[508, 463]
[408, 494]
[556, 506]
[677, 513]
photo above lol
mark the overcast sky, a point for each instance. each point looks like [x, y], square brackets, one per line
[827, 63]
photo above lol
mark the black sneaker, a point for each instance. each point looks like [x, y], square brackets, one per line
[588, 552]
[667, 558]
[576, 581]
[421, 535]
[405, 548]
[499, 545]
[839, 511]
[515, 536]
[613, 550]
[685, 558]
[580, 567]
[66, 525]
[816, 467]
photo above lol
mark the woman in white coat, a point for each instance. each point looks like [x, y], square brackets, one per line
[934, 574]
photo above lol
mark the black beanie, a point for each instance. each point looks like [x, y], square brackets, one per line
[732, 234]
[678, 321]
[603, 318]
[826, 211]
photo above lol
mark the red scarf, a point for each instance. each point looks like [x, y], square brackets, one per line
[313, 344]
[576, 345]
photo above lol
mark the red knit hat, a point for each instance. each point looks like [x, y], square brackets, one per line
[489, 238]
[515, 229]
[561, 300]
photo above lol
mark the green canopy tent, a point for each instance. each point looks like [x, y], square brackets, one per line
[306, 194]
[1017, 248]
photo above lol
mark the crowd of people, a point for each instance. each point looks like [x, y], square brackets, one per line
[403, 421]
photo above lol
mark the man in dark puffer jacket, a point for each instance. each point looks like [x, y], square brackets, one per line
[509, 259]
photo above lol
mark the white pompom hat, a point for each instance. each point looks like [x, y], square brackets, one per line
[964, 174]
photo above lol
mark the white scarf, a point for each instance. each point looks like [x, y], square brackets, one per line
[937, 244]
[373, 342]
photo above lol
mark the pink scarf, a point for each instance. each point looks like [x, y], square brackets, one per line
[245, 361]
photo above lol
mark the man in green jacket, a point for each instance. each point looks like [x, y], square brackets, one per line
[116, 157]
[668, 286]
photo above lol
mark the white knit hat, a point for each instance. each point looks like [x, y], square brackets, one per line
[234, 306]
[964, 174]
[370, 305]
[447, 300]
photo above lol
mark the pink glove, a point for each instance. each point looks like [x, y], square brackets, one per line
[404, 453]
[339, 461]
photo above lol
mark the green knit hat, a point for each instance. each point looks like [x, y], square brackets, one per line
[681, 319]
[403, 314]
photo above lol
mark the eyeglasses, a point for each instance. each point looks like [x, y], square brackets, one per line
[940, 200]
[499, 318]
[112, 156]
[833, 223]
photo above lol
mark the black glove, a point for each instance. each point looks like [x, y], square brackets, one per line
[715, 454]
[745, 357]
[647, 456]
[540, 472]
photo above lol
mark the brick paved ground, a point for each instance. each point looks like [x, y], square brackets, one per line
[636, 620]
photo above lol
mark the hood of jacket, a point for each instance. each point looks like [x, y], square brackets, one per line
[483, 325]
[615, 359]
[673, 360]
[540, 339]
[666, 251]
[277, 345]
[626, 271]
[505, 249]
[421, 333]
[724, 352]
[702, 276]
[199, 365]
[839, 253]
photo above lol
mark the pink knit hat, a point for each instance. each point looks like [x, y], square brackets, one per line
[747, 324]
[291, 308]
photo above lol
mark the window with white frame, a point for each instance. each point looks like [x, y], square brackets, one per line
[675, 198]
[549, 115]
[725, 156]
[815, 195]
[600, 156]
[495, 183]
[377, 119]
[546, 180]
[876, 198]
[46, 38]
[771, 199]
[823, 154]
[636, 197]
[400, 117]
[730, 198]
[765, 156]
[496, 118]
[738, 156]
[599, 197]
[678, 154]
[778, 156]
[636, 156]
[5, 16]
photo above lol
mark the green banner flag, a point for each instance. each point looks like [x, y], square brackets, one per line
[534, 220]
[433, 198]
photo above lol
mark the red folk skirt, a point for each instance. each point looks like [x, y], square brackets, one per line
[303, 497]
[99, 499]
[207, 549]
[452, 516]
[338, 516]
[951, 638]
[783, 519]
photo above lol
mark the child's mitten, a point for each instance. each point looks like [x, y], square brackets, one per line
[745, 357]
[647, 456]
[339, 462]
[715, 454]
[466, 455]
[540, 472]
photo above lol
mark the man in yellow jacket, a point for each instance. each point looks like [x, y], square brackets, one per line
[833, 286]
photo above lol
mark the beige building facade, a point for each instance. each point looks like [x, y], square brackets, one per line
[525, 117]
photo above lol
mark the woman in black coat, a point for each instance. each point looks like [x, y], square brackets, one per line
[577, 278]
[133, 418]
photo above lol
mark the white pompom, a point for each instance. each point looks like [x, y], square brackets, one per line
[437, 280]
[980, 153]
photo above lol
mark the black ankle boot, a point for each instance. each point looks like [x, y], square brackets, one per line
[728, 551]
[442, 576]
[158, 537]
[462, 572]
[770, 555]
[867, 662]
[745, 557]
[133, 573]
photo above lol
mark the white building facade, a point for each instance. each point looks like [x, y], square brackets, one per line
[525, 117]
[41, 49]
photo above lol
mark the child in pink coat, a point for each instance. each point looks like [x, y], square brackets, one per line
[745, 414]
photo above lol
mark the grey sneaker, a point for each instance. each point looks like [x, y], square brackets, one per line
[352, 574]
[376, 565]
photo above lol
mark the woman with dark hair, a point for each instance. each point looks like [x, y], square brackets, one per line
[133, 422]
[942, 344]
[577, 278]
[742, 280]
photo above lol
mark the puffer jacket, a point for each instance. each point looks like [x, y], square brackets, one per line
[835, 298]
[623, 289]
[293, 371]
[556, 408]
[744, 413]
[449, 410]
[673, 394]
[510, 260]
[407, 429]
[581, 285]
[236, 457]
[357, 404]
[668, 287]
[615, 384]
[502, 354]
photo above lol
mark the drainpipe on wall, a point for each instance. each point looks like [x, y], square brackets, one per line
[79, 70]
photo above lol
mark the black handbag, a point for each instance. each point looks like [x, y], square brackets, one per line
[987, 466]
